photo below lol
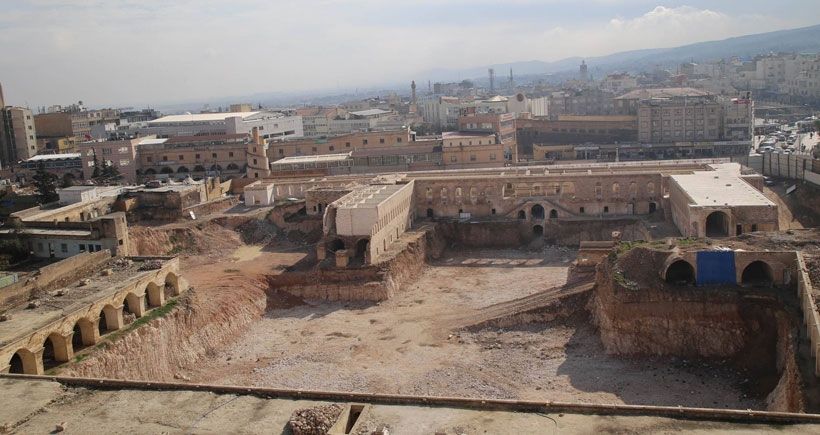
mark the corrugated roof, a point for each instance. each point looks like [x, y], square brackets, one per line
[41, 157]
[201, 117]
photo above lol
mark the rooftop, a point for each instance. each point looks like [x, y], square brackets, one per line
[464, 134]
[44, 157]
[643, 94]
[369, 196]
[370, 112]
[201, 117]
[723, 186]
[312, 159]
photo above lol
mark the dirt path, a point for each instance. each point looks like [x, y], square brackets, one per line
[405, 345]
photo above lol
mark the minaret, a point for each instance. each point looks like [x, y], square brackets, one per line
[2, 100]
[413, 107]
[583, 72]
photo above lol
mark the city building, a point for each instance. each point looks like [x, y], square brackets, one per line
[18, 136]
[339, 144]
[198, 156]
[118, 153]
[316, 120]
[464, 149]
[270, 124]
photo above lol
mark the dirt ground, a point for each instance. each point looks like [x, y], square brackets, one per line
[412, 344]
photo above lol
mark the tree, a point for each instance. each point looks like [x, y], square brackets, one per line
[110, 174]
[46, 184]
[96, 173]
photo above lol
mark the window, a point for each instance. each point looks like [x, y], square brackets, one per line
[314, 149]
[181, 157]
[606, 209]
[230, 153]
[347, 144]
[39, 246]
[331, 148]
[398, 140]
[492, 156]
[149, 159]
[82, 247]
[164, 158]
[452, 158]
[106, 151]
[254, 161]
[63, 247]
[197, 156]
[281, 151]
[124, 162]
[364, 141]
[581, 210]
[472, 157]
[381, 140]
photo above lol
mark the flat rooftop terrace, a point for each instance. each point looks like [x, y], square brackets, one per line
[722, 186]
[25, 321]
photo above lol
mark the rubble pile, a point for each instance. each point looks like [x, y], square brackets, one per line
[150, 265]
[314, 421]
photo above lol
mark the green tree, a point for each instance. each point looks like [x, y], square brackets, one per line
[46, 184]
[96, 172]
[111, 174]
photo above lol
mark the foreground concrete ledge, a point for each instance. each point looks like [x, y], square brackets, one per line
[524, 406]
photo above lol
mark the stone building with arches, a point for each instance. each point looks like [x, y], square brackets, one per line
[35, 338]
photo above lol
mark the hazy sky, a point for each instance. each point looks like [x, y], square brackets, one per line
[118, 52]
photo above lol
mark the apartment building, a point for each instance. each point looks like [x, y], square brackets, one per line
[461, 149]
[118, 153]
[18, 135]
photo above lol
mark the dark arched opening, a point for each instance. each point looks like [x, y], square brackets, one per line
[553, 214]
[102, 324]
[429, 212]
[336, 245]
[77, 338]
[49, 357]
[166, 170]
[199, 168]
[538, 230]
[522, 214]
[652, 207]
[537, 212]
[757, 274]
[680, 272]
[232, 167]
[16, 364]
[182, 170]
[150, 171]
[361, 249]
[717, 224]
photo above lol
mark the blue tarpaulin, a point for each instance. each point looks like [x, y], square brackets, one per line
[716, 267]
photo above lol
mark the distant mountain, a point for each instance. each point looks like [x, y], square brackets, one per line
[806, 39]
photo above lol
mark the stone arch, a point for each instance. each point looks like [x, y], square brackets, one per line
[166, 170]
[633, 190]
[717, 224]
[553, 214]
[473, 194]
[182, 170]
[85, 334]
[49, 351]
[171, 285]
[443, 194]
[134, 304]
[537, 230]
[616, 189]
[150, 171]
[199, 168]
[429, 212]
[429, 194]
[680, 272]
[653, 207]
[336, 245]
[650, 189]
[232, 167]
[522, 214]
[537, 212]
[758, 273]
[155, 295]
[216, 167]
[24, 361]
[362, 246]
